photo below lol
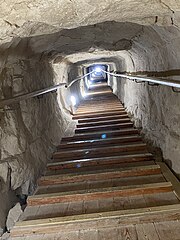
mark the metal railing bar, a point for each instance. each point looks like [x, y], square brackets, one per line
[25, 96]
[161, 81]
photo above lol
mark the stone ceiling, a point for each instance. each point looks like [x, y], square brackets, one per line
[28, 18]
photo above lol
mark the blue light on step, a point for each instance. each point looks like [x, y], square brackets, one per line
[103, 136]
[78, 165]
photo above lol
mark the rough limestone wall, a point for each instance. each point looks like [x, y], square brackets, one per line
[41, 16]
[29, 130]
[155, 109]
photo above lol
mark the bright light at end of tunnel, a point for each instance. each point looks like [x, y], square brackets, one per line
[73, 100]
[98, 69]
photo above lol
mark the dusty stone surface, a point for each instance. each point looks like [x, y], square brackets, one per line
[29, 130]
[155, 109]
[13, 216]
[24, 18]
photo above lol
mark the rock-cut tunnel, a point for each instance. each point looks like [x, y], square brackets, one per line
[69, 58]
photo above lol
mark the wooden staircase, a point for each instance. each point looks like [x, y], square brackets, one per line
[103, 183]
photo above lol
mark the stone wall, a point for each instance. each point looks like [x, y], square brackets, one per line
[29, 130]
[155, 109]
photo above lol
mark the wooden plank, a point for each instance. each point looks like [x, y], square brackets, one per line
[100, 152]
[75, 208]
[101, 135]
[83, 170]
[108, 233]
[91, 206]
[116, 121]
[97, 108]
[131, 171]
[146, 232]
[83, 195]
[127, 233]
[170, 177]
[46, 211]
[137, 201]
[97, 111]
[121, 203]
[99, 184]
[168, 230]
[160, 199]
[105, 205]
[104, 127]
[100, 161]
[32, 211]
[96, 220]
[99, 114]
[88, 235]
[99, 142]
[105, 118]
[102, 103]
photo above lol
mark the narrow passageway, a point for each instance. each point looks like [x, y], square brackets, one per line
[102, 183]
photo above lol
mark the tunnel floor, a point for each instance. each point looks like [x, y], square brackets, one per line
[103, 183]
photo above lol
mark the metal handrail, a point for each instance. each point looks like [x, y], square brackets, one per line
[25, 96]
[161, 81]
[79, 78]
[37, 93]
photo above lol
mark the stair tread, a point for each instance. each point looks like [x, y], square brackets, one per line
[99, 114]
[116, 121]
[101, 134]
[104, 111]
[98, 206]
[111, 149]
[97, 174]
[122, 158]
[100, 142]
[102, 118]
[92, 194]
[86, 169]
[87, 185]
[103, 127]
[126, 216]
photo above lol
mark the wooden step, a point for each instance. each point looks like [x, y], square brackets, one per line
[93, 194]
[101, 111]
[100, 206]
[100, 161]
[104, 127]
[98, 110]
[99, 175]
[104, 105]
[95, 107]
[116, 121]
[101, 135]
[102, 119]
[99, 184]
[99, 142]
[96, 221]
[101, 167]
[100, 101]
[103, 152]
[98, 114]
